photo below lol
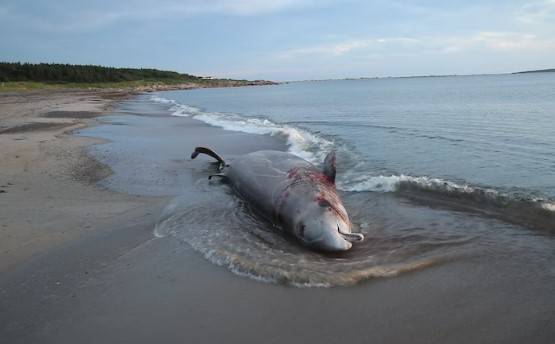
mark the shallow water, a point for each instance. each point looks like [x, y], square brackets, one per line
[431, 170]
[401, 237]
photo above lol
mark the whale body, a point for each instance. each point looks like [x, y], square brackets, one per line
[293, 193]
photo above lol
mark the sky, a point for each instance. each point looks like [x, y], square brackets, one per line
[284, 39]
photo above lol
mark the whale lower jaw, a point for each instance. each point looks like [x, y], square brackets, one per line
[351, 237]
[343, 246]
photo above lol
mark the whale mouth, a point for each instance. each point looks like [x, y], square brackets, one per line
[350, 237]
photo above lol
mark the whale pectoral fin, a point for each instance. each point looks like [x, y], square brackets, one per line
[329, 166]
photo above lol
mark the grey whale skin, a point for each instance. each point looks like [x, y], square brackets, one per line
[293, 193]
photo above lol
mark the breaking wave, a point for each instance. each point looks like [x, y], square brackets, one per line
[516, 207]
[301, 142]
[395, 183]
[162, 100]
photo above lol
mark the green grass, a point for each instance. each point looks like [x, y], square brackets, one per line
[15, 76]
[12, 86]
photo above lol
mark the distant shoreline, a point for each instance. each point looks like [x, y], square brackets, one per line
[551, 70]
[422, 76]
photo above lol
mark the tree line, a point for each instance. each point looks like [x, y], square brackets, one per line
[54, 72]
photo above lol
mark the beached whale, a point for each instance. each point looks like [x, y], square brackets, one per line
[293, 193]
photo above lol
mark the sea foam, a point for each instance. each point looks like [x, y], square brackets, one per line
[301, 142]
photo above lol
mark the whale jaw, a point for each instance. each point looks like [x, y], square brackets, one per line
[333, 241]
[336, 245]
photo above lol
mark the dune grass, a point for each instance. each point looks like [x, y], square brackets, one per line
[14, 86]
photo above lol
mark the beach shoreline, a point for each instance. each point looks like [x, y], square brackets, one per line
[48, 181]
[80, 261]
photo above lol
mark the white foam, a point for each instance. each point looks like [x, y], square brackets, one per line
[161, 100]
[183, 110]
[301, 142]
[392, 183]
[385, 183]
[549, 206]
[176, 108]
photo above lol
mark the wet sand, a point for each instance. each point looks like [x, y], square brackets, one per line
[48, 194]
[163, 291]
[82, 264]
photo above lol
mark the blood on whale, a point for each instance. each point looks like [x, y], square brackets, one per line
[326, 196]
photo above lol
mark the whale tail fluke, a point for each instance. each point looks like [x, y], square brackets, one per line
[209, 152]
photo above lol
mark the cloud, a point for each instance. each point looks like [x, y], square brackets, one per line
[243, 7]
[499, 41]
[404, 46]
[538, 12]
[78, 16]
[285, 38]
[348, 46]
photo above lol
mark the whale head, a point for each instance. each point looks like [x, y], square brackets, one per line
[314, 211]
[325, 227]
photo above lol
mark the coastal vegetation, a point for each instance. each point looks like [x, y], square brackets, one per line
[21, 76]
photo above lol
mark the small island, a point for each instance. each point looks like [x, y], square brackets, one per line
[550, 70]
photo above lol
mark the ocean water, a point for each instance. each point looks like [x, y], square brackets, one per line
[432, 170]
[495, 132]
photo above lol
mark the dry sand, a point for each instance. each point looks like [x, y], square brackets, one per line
[47, 182]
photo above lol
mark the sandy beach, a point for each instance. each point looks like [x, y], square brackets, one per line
[47, 187]
[79, 261]
[250, 171]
